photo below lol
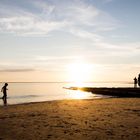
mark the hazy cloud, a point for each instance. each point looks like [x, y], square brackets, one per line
[17, 70]
[45, 16]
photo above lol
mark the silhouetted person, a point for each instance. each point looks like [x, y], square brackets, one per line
[135, 82]
[4, 90]
[139, 80]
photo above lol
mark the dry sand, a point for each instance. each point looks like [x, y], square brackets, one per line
[100, 119]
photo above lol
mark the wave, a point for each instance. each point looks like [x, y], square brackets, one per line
[24, 96]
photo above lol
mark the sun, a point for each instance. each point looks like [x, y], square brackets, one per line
[79, 72]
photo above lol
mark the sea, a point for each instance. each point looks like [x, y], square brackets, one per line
[26, 92]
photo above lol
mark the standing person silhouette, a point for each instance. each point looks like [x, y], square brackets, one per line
[4, 90]
[139, 80]
[135, 82]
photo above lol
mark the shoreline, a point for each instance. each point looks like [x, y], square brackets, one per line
[110, 118]
[61, 100]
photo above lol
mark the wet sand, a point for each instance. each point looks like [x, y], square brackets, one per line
[99, 119]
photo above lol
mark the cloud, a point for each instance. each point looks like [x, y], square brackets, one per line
[54, 58]
[17, 70]
[27, 25]
[13, 66]
[42, 17]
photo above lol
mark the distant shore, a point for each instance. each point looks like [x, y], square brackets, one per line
[102, 119]
[116, 92]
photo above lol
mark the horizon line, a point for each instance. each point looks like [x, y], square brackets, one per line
[66, 82]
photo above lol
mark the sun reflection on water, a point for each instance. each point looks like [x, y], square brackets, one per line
[77, 94]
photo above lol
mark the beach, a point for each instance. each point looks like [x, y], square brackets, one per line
[90, 119]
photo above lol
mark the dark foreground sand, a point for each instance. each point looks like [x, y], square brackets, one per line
[100, 119]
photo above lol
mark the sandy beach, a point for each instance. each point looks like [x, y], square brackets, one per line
[99, 119]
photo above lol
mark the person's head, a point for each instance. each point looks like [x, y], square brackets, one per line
[6, 84]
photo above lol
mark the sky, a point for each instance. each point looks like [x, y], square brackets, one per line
[63, 40]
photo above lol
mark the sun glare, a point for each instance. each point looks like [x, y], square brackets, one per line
[79, 95]
[79, 72]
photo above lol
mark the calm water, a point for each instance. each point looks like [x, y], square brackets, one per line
[36, 92]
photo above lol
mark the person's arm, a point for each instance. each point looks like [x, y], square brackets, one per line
[2, 89]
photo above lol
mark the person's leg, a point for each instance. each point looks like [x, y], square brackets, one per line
[4, 96]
